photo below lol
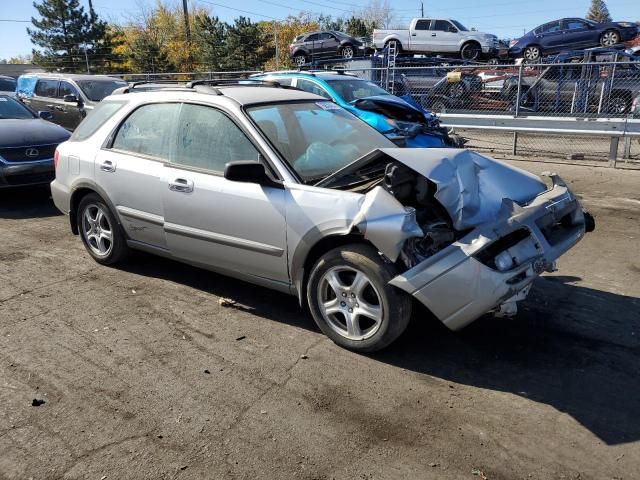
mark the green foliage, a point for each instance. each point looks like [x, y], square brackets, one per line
[598, 12]
[65, 32]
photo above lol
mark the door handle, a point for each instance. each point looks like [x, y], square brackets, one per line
[413, 34]
[433, 34]
[181, 185]
[50, 107]
[108, 166]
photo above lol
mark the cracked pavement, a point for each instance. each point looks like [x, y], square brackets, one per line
[120, 354]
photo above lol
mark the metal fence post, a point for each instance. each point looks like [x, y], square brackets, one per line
[515, 143]
[519, 89]
[626, 153]
[613, 151]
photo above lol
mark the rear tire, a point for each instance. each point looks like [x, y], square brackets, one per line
[619, 104]
[609, 38]
[351, 301]
[397, 44]
[300, 59]
[100, 231]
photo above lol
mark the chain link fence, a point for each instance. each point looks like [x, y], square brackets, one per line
[586, 90]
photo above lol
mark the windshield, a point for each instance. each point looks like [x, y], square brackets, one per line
[460, 26]
[96, 90]
[10, 108]
[351, 90]
[316, 138]
[7, 85]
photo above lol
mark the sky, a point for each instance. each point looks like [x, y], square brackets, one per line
[507, 19]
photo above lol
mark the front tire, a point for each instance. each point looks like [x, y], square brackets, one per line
[532, 54]
[470, 51]
[100, 231]
[351, 301]
[347, 52]
[610, 38]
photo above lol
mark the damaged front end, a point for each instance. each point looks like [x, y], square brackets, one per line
[406, 123]
[470, 233]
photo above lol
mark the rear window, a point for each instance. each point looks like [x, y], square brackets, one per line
[95, 119]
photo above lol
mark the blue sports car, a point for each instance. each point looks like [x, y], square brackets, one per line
[570, 34]
[399, 118]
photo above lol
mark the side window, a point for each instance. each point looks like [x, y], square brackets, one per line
[551, 27]
[326, 36]
[208, 139]
[311, 87]
[47, 88]
[441, 26]
[422, 24]
[575, 25]
[149, 130]
[282, 80]
[67, 89]
[313, 38]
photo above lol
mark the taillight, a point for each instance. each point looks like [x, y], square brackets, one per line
[55, 159]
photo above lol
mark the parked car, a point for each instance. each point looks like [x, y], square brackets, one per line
[447, 36]
[27, 144]
[576, 85]
[633, 51]
[288, 190]
[635, 107]
[7, 85]
[67, 96]
[400, 119]
[316, 45]
[570, 34]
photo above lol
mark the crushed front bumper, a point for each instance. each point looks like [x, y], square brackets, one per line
[462, 282]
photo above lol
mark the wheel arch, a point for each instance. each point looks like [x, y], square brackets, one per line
[393, 39]
[308, 253]
[79, 192]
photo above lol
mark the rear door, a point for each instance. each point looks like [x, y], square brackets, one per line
[421, 39]
[230, 226]
[313, 44]
[551, 36]
[131, 168]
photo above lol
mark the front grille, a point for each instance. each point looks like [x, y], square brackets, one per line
[27, 154]
[30, 178]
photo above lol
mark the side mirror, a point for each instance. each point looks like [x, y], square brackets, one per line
[45, 115]
[453, 30]
[71, 98]
[249, 172]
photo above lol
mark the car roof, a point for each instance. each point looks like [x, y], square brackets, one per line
[72, 76]
[320, 75]
[241, 94]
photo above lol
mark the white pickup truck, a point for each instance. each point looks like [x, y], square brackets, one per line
[431, 35]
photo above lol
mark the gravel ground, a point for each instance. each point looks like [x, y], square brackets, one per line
[146, 375]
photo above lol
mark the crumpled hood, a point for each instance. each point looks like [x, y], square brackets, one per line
[368, 103]
[470, 186]
[31, 131]
[398, 108]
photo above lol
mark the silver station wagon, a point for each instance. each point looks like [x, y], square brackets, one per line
[289, 191]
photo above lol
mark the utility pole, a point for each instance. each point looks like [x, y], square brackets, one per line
[422, 9]
[187, 30]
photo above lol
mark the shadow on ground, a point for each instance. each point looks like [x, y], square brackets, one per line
[571, 347]
[27, 202]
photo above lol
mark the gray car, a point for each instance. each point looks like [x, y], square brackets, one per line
[287, 190]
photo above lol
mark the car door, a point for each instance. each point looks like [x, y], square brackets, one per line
[44, 97]
[422, 39]
[551, 36]
[445, 36]
[69, 112]
[330, 44]
[130, 170]
[209, 220]
[577, 33]
[313, 44]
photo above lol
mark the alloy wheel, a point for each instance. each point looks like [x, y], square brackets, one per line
[347, 52]
[610, 39]
[618, 105]
[97, 230]
[532, 53]
[350, 303]
[300, 60]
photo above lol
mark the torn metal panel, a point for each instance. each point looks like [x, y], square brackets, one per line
[470, 186]
[385, 222]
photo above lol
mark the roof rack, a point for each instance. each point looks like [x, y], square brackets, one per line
[133, 85]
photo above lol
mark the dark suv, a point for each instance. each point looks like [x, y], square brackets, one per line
[68, 97]
[315, 45]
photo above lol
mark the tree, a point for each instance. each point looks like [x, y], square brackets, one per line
[357, 27]
[598, 12]
[244, 45]
[327, 22]
[283, 33]
[210, 34]
[69, 37]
